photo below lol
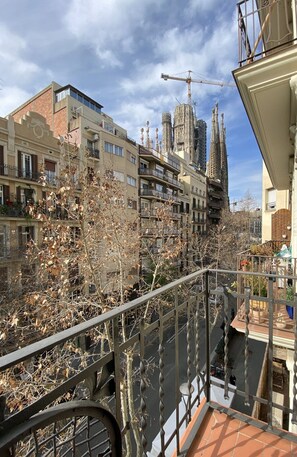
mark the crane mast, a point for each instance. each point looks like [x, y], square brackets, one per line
[190, 80]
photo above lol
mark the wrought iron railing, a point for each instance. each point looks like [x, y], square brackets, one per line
[19, 172]
[170, 335]
[264, 27]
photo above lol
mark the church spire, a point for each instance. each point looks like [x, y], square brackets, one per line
[214, 168]
[224, 162]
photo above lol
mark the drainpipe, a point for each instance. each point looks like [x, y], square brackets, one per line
[293, 84]
[294, 19]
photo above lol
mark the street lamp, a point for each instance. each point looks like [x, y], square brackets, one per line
[186, 392]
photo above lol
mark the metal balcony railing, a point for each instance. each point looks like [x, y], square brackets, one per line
[265, 27]
[157, 194]
[170, 335]
[16, 172]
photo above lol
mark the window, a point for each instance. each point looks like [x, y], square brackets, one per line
[1, 195]
[271, 199]
[27, 165]
[159, 169]
[159, 187]
[107, 126]
[131, 181]
[3, 241]
[26, 234]
[132, 158]
[108, 147]
[118, 151]
[113, 149]
[132, 204]
[119, 176]
[50, 171]
[25, 196]
[4, 278]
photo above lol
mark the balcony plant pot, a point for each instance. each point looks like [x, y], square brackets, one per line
[258, 310]
[281, 325]
[280, 321]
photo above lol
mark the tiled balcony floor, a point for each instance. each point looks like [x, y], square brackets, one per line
[222, 435]
[259, 330]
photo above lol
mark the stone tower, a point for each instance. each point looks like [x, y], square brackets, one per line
[224, 161]
[183, 131]
[200, 143]
[167, 142]
[214, 166]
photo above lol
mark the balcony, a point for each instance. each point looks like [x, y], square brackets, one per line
[182, 363]
[266, 79]
[159, 176]
[12, 171]
[151, 154]
[156, 194]
[154, 214]
[265, 28]
[14, 209]
[94, 153]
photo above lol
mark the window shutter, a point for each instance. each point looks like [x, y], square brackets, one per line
[6, 194]
[49, 166]
[1, 160]
[20, 229]
[34, 166]
[18, 193]
[20, 164]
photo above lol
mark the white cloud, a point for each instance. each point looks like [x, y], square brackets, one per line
[11, 97]
[203, 5]
[14, 67]
[108, 26]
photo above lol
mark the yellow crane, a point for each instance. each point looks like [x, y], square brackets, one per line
[190, 80]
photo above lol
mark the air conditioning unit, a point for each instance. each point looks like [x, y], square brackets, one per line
[96, 137]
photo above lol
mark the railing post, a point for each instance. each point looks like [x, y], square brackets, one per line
[143, 421]
[207, 338]
[270, 350]
[247, 294]
[226, 342]
[177, 391]
[294, 415]
[117, 370]
[161, 380]
[189, 361]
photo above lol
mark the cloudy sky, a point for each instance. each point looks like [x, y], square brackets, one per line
[115, 52]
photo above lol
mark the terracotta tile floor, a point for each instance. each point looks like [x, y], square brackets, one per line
[221, 435]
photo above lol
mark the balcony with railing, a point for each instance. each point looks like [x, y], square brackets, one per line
[183, 359]
[154, 214]
[162, 177]
[264, 28]
[94, 153]
[164, 160]
[12, 171]
[144, 192]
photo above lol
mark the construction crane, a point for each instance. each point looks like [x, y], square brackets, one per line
[190, 80]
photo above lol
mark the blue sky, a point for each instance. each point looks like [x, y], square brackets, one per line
[116, 50]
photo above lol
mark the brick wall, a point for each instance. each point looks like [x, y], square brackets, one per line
[42, 104]
[279, 223]
[60, 122]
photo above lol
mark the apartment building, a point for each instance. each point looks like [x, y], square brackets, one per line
[276, 213]
[267, 83]
[158, 185]
[101, 146]
[25, 148]
[194, 187]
